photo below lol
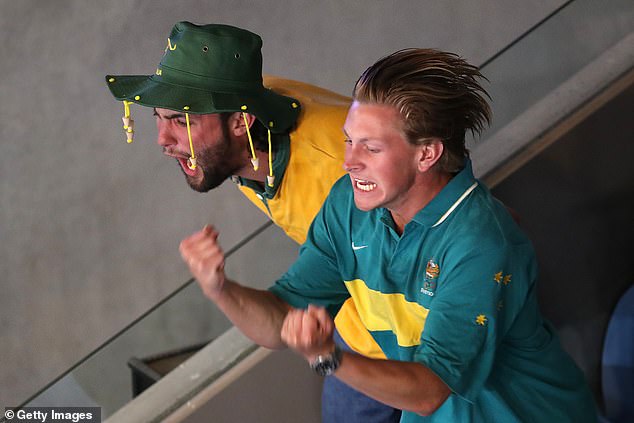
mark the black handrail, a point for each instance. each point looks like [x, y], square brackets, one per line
[229, 252]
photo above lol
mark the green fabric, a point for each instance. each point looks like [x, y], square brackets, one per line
[483, 334]
[281, 155]
[209, 69]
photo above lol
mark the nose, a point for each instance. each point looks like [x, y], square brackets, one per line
[165, 138]
[351, 162]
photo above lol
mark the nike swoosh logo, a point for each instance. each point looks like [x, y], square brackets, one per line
[360, 247]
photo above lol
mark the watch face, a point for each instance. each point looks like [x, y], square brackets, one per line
[325, 365]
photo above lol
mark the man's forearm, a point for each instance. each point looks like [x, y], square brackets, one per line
[258, 314]
[403, 385]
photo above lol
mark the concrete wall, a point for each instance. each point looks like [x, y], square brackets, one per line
[90, 225]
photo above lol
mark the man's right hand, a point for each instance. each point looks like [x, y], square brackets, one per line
[205, 259]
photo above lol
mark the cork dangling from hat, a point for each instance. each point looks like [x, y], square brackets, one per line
[209, 69]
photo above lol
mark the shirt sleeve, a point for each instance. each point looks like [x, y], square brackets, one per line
[314, 278]
[475, 303]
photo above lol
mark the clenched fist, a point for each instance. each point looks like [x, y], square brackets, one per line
[308, 332]
[205, 259]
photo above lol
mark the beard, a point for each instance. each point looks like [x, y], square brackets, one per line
[217, 163]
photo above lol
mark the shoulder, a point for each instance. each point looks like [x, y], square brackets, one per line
[304, 92]
[341, 197]
[485, 224]
[336, 211]
[323, 112]
[341, 215]
[318, 131]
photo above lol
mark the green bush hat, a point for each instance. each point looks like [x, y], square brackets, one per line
[209, 69]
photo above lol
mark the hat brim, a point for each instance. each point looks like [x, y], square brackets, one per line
[276, 112]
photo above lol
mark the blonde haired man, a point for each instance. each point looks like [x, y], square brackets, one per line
[431, 280]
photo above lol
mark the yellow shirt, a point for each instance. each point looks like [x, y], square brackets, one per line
[316, 157]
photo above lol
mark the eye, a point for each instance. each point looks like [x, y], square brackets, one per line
[372, 149]
[181, 122]
[347, 141]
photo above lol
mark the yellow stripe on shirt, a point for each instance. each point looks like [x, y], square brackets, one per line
[381, 312]
[352, 330]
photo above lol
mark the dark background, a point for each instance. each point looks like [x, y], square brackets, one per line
[576, 202]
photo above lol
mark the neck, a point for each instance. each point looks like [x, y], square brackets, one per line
[247, 171]
[421, 194]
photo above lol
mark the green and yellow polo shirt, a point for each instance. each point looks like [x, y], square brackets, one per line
[455, 292]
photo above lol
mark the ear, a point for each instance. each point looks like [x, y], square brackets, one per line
[429, 155]
[237, 125]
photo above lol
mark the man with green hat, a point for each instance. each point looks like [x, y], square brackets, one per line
[279, 140]
[218, 118]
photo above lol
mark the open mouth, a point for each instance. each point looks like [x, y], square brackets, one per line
[364, 185]
[182, 161]
[184, 164]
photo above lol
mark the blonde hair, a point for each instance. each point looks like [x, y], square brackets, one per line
[437, 95]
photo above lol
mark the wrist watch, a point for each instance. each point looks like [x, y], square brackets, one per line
[325, 365]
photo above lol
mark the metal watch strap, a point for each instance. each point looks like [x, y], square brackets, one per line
[325, 365]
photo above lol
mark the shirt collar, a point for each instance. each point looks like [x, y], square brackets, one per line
[281, 154]
[448, 199]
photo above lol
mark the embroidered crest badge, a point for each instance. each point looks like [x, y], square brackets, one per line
[432, 270]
